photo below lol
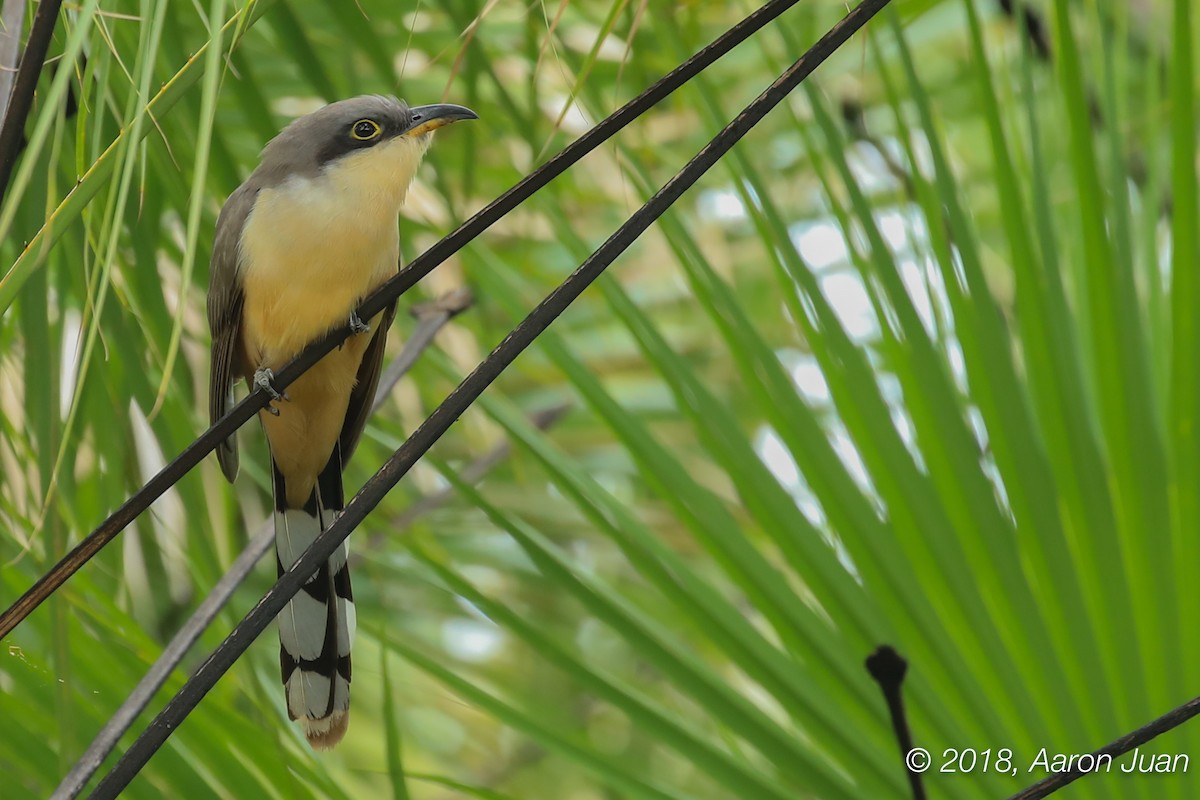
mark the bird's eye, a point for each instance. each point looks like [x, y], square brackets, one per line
[365, 129]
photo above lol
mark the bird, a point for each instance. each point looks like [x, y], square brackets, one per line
[297, 245]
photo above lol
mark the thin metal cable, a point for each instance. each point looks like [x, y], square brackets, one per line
[457, 402]
[434, 316]
[1119, 747]
[386, 294]
[206, 612]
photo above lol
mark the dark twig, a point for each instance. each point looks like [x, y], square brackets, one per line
[1115, 750]
[888, 668]
[376, 302]
[460, 399]
[12, 129]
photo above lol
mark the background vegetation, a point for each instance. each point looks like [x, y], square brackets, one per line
[916, 364]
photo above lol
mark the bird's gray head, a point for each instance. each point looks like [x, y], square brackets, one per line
[346, 130]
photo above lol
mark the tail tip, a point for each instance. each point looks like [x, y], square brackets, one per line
[326, 732]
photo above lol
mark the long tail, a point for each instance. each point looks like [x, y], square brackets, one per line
[316, 627]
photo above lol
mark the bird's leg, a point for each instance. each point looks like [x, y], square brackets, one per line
[357, 326]
[356, 323]
[262, 380]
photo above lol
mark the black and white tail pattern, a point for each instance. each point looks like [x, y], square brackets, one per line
[316, 628]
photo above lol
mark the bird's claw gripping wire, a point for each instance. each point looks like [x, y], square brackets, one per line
[263, 380]
[357, 326]
[356, 323]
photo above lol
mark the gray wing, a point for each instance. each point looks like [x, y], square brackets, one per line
[225, 299]
[363, 395]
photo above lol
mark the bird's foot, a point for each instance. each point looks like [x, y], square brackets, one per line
[263, 380]
[356, 323]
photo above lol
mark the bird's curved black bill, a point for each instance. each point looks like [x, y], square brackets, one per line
[431, 117]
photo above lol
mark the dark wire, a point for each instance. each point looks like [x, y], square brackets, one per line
[434, 316]
[376, 302]
[1115, 749]
[457, 402]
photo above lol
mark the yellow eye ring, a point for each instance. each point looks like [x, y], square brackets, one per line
[365, 130]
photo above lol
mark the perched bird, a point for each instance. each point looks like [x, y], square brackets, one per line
[297, 246]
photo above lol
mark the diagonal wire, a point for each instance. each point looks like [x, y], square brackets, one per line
[435, 316]
[207, 611]
[124, 717]
[386, 294]
[457, 402]
[1114, 750]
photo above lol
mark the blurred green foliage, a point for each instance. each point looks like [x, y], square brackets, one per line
[915, 364]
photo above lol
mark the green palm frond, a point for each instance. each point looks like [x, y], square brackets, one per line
[914, 365]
